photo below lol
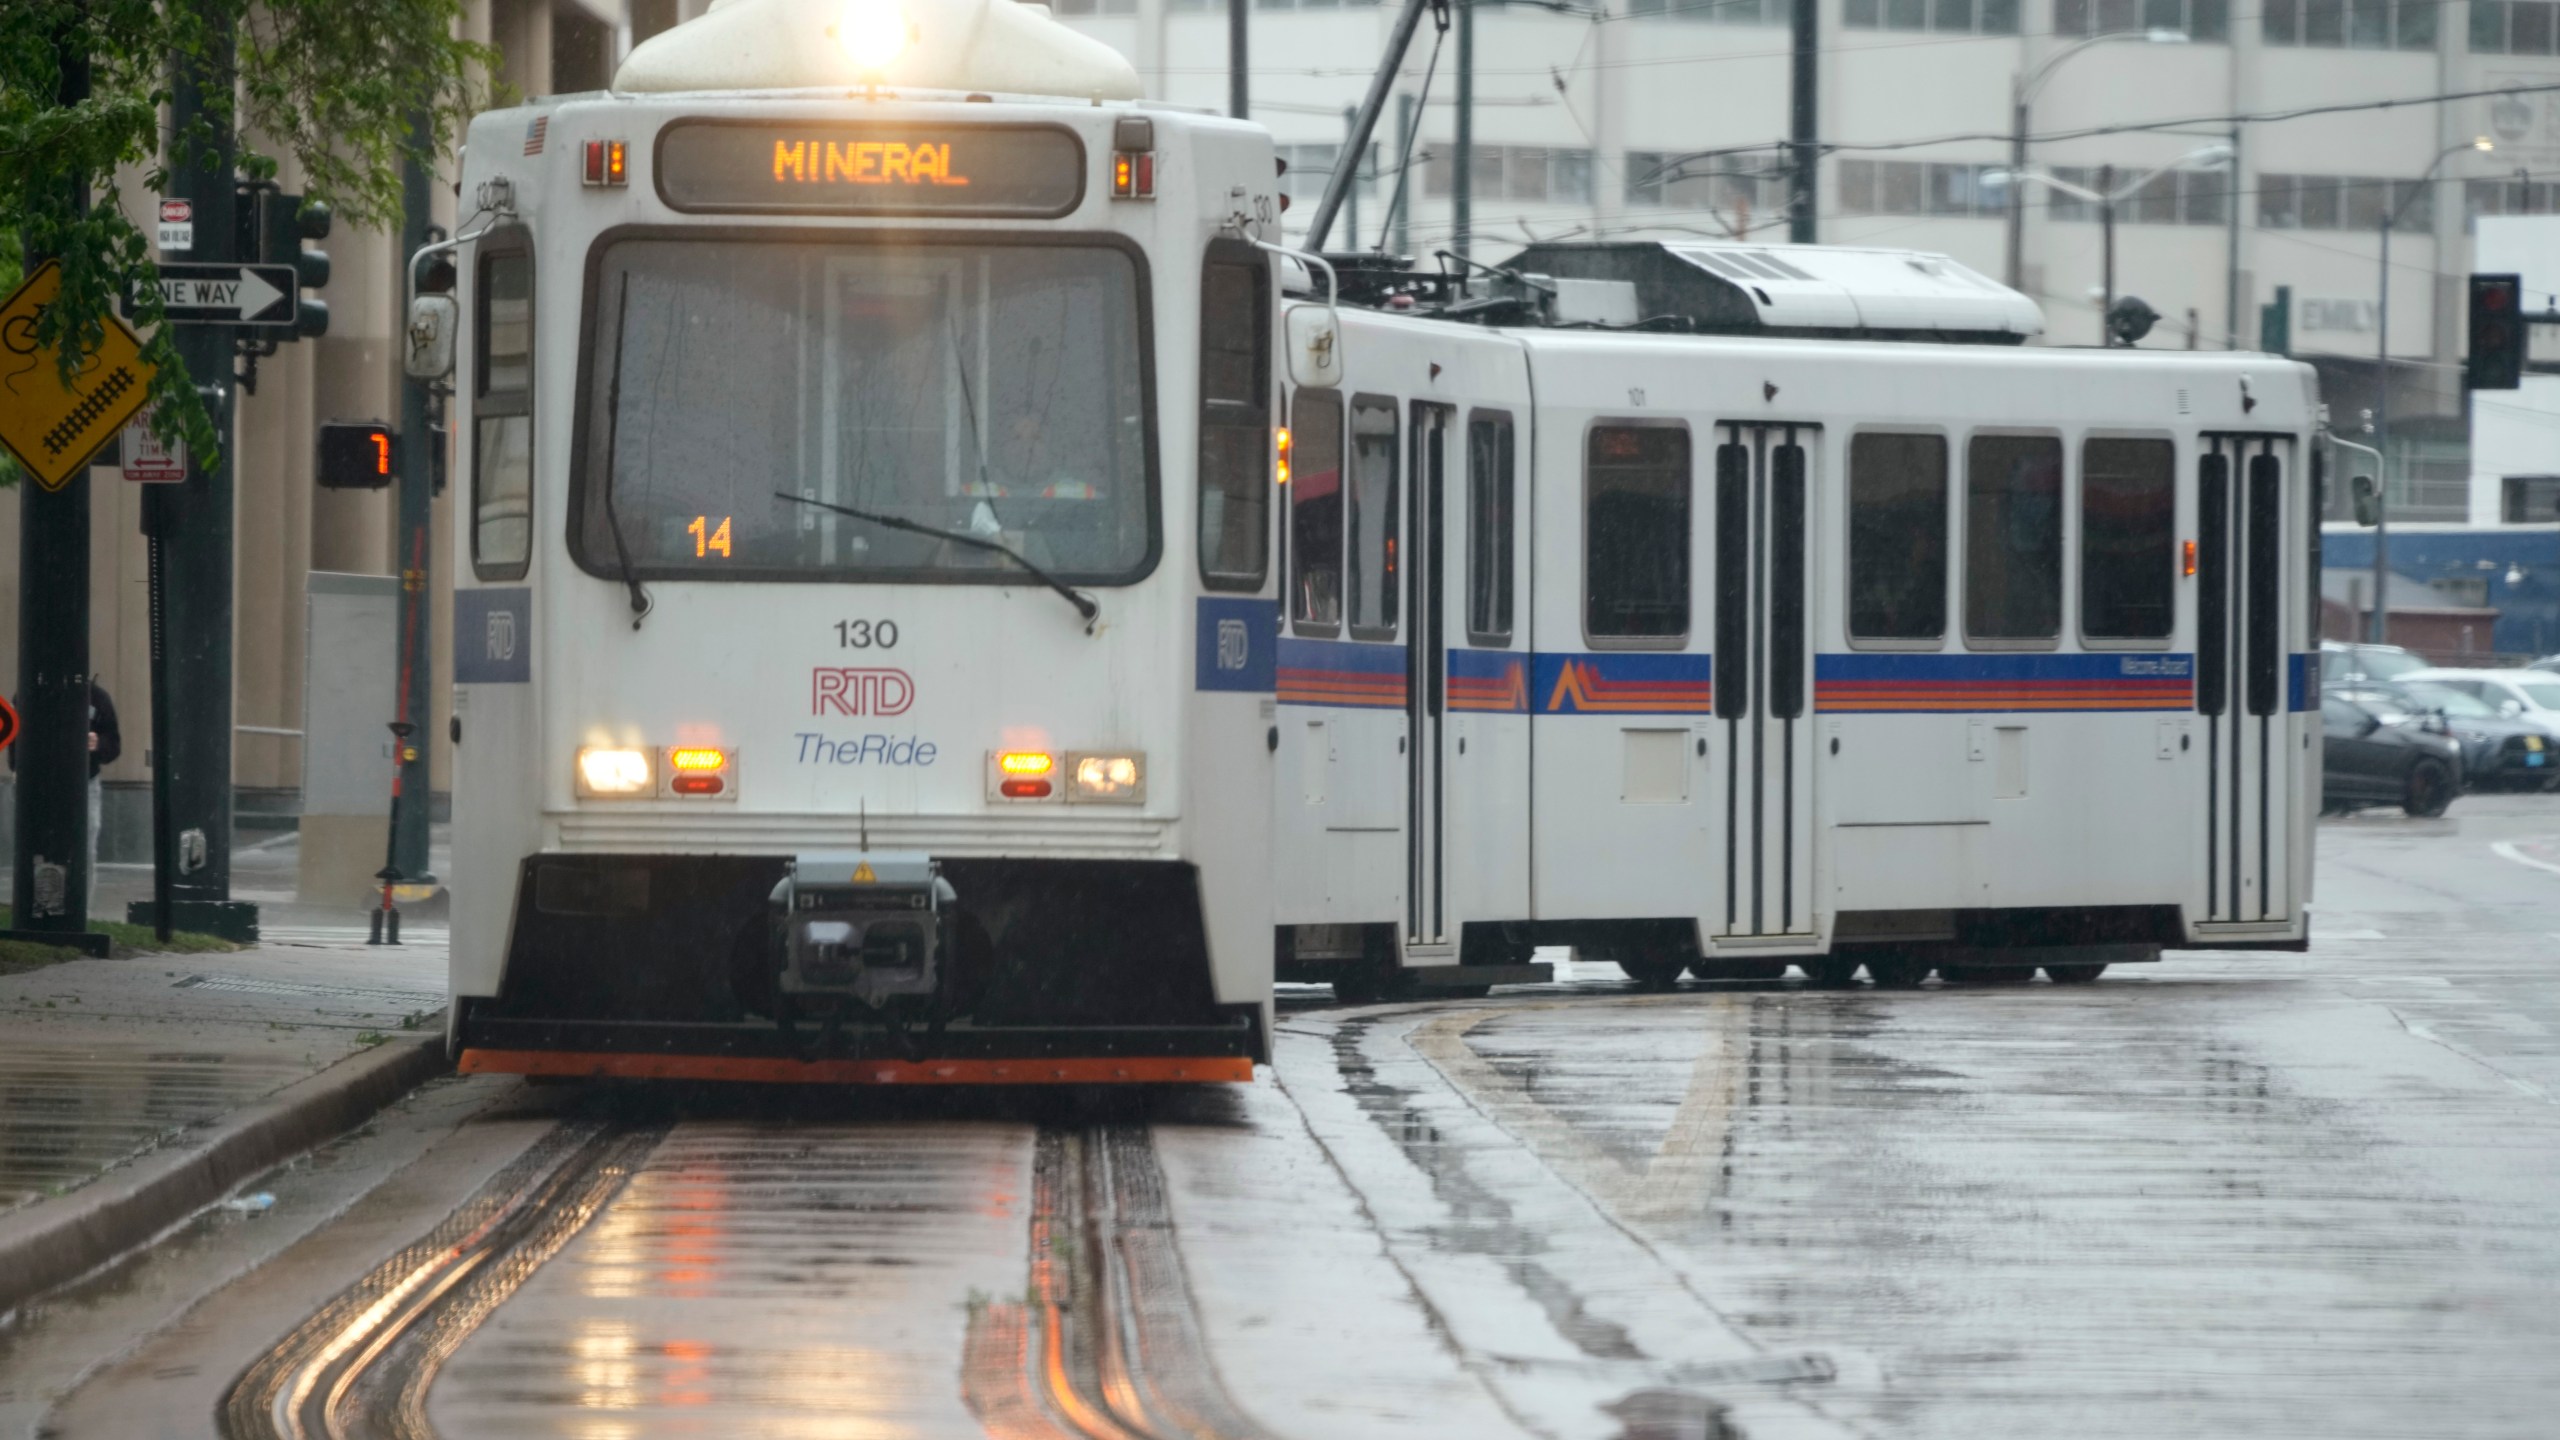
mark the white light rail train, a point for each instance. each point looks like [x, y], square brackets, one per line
[949, 598]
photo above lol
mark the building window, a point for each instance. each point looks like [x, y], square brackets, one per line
[2351, 24]
[1918, 187]
[2202, 20]
[2128, 516]
[2172, 197]
[2529, 499]
[2509, 197]
[1635, 558]
[1514, 172]
[1311, 169]
[2013, 538]
[1897, 537]
[1723, 12]
[1960, 17]
[1375, 573]
[1745, 183]
[1235, 410]
[2343, 202]
[1315, 511]
[2514, 27]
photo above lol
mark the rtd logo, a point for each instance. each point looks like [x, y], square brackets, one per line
[860, 692]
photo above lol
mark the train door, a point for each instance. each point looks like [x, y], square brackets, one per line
[1763, 683]
[2241, 676]
[1428, 930]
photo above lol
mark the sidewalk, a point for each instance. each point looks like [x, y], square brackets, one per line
[102, 1061]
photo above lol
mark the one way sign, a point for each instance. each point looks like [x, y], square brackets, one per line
[195, 294]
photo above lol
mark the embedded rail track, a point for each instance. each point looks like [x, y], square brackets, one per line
[1104, 1344]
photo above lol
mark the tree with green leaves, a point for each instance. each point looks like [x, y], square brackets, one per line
[351, 89]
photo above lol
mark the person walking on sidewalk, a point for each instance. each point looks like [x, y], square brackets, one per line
[106, 742]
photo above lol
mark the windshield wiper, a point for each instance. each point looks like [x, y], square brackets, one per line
[612, 431]
[1084, 603]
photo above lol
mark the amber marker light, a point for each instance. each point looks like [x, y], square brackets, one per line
[1283, 473]
[1026, 762]
[2191, 557]
[689, 758]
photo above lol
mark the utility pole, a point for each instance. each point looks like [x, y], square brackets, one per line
[1462, 188]
[416, 455]
[2232, 198]
[2382, 431]
[1239, 16]
[1804, 124]
[2107, 248]
[49, 879]
[1351, 156]
[191, 530]
[1400, 201]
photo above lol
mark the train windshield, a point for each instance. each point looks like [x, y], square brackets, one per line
[994, 391]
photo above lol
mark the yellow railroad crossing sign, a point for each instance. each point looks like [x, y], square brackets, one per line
[54, 431]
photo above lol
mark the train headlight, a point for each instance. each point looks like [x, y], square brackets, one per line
[604, 772]
[1119, 776]
[873, 34]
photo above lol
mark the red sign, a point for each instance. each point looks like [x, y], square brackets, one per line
[177, 212]
[8, 723]
[146, 460]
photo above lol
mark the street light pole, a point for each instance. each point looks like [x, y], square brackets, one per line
[2022, 94]
[2382, 382]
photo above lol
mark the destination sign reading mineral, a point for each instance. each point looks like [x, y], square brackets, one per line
[871, 168]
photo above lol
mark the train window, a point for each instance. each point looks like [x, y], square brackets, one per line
[1786, 581]
[502, 439]
[1374, 573]
[2264, 634]
[2013, 538]
[1489, 532]
[1733, 581]
[1315, 510]
[1235, 413]
[1635, 558]
[2213, 593]
[2128, 539]
[848, 405]
[1897, 537]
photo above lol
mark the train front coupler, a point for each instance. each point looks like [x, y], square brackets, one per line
[870, 928]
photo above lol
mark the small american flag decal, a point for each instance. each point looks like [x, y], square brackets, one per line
[533, 134]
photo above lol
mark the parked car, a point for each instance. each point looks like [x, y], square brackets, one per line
[2499, 752]
[2547, 662]
[2375, 751]
[2530, 694]
[2342, 661]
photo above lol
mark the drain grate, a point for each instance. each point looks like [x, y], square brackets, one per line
[403, 1000]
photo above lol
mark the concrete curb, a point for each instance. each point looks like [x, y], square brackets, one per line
[58, 1240]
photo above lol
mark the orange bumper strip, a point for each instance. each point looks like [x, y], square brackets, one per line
[1129, 1070]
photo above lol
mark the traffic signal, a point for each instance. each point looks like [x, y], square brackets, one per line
[354, 456]
[2498, 333]
[273, 225]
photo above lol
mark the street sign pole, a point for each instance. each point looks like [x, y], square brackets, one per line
[409, 818]
[49, 880]
[191, 531]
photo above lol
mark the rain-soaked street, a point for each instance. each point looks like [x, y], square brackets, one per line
[2268, 1195]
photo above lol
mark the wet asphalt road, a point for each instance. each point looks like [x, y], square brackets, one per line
[2311, 1195]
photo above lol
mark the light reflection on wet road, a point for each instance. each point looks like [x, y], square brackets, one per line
[762, 1277]
[2271, 1195]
